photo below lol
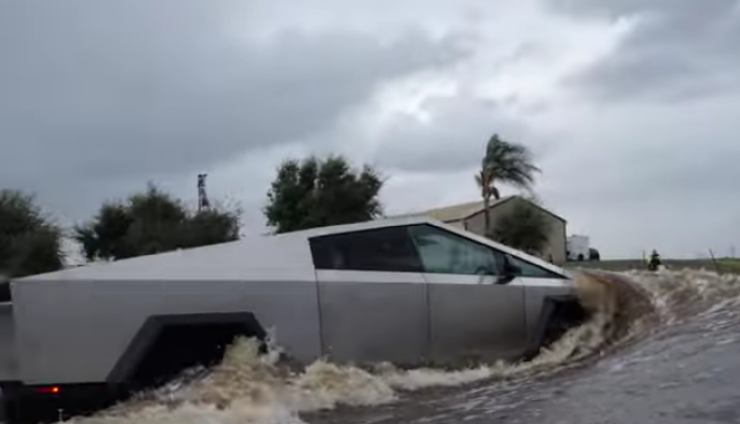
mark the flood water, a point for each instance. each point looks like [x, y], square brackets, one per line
[661, 348]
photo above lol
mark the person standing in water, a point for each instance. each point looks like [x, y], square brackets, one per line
[654, 263]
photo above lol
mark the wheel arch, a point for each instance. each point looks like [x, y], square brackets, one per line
[565, 310]
[146, 339]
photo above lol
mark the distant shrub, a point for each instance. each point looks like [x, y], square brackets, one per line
[29, 241]
[153, 222]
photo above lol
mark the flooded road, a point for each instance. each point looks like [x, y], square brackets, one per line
[682, 368]
[661, 348]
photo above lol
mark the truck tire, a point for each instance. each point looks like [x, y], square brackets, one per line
[7, 404]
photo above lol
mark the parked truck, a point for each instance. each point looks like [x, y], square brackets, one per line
[407, 290]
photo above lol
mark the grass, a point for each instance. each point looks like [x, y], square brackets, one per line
[723, 265]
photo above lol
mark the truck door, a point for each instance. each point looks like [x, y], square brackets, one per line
[372, 296]
[474, 312]
[539, 284]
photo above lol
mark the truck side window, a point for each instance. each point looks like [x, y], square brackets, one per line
[443, 252]
[385, 249]
[530, 270]
[5, 292]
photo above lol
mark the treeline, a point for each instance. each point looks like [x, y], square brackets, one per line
[309, 193]
[29, 241]
[153, 222]
[304, 194]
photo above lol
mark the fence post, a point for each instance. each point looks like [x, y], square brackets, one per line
[714, 261]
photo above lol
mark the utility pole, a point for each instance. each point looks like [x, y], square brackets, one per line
[203, 202]
[714, 261]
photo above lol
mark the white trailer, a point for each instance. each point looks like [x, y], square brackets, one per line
[578, 248]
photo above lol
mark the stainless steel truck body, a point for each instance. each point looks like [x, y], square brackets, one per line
[409, 291]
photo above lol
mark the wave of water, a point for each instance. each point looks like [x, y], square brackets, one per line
[251, 388]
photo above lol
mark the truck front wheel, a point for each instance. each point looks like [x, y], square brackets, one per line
[167, 345]
[559, 314]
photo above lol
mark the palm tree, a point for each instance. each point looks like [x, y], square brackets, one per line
[504, 162]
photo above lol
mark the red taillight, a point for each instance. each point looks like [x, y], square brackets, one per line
[49, 390]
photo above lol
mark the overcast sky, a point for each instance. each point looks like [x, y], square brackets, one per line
[632, 108]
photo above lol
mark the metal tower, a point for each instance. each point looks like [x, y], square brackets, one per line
[203, 202]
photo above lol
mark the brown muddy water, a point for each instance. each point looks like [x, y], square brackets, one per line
[660, 348]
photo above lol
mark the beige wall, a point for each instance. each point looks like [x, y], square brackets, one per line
[556, 242]
[458, 224]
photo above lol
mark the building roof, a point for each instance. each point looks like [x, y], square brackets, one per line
[466, 210]
[456, 212]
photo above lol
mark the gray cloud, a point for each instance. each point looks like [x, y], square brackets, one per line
[614, 9]
[638, 176]
[100, 96]
[444, 145]
[451, 139]
[677, 50]
[106, 91]
[631, 176]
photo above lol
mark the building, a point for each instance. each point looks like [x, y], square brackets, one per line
[470, 217]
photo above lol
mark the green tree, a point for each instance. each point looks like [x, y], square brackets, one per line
[507, 163]
[525, 228]
[153, 222]
[314, 193]
[29, 242]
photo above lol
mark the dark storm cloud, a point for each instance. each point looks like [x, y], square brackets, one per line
[678, 49]
[107, 90]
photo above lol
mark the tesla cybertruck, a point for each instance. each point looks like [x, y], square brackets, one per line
[410, 291]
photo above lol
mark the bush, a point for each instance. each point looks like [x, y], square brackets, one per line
[29, 242]
[317, 193]
[153, 222]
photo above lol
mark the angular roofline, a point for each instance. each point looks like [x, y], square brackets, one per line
[417, 220]
[360, 226]
[477, 208]
[506, 200]
[298, 237]
[301, 235]
[467, 206]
